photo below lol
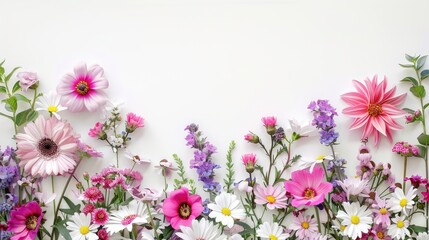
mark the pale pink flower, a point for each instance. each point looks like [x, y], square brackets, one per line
[273, 196]
[133, 122]
[144, 194]
[47, 147]
[304, 225]
[97, 131]
[88, 150]
[382, 215]
[93, 194]
[374, 108]
[166, 167]
[308, 188]
[27, 79]
[83, 90]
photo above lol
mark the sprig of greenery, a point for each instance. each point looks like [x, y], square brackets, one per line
[229, 180]
[178, 183]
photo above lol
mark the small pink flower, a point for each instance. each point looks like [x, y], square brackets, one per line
[100, 216]
[252, 138]
[269, 121]
[88, 208]
[102, 234]
[180, 208]
[166, 167]
[88, 150]
[145, 194]
[83, 90]
[409, 118]
[93, 194]
[27, 79]
[97, 131]
[273, 196]
[134, 122]
[305, 226]
[382, 215]
[405, 149]
[308, 188]
[249, 161]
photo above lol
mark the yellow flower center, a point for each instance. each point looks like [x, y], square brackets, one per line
[355, 220]
[305, 225]
[380, 235]
[271, 199]
[226, 211]
[400, 224]
[309, 193]
[342, 228]
[273, 237]
[320, 157]
[374, 109]
[383, 211]
[52, 109]
[84, 230]
[185, 210]
[403, 202]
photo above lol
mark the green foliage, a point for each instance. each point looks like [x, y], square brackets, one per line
[423, 139]
[418, 91]
[229, 180]
[183, 180]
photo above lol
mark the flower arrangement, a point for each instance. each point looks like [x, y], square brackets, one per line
[283, 195]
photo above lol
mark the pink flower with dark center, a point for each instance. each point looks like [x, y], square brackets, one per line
[134, 122]
[88, 208]
[100, 216]
[273, 196]
[83, 90]
[93, 194]
[180, 208]
[374, 108]
[27, 79]
[308, 188]
[25, 221]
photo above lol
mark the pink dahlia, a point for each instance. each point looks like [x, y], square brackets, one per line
[180, 208]
[47, 147]
[308, 188]
[83, 90]
[93, 194]
[374, 108]
[273, 196]
[100, 216]
[24, 221]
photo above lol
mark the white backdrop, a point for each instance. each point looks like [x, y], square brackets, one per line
[220, 64]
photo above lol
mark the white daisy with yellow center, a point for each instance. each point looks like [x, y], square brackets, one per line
[399, 228]
[401, 202]
[226, 209]
[271, 231]
[51, 104]
[356, 219]
[80, 227]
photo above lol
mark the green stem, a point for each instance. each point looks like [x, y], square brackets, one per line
[53, 190]
[405, 173]
[318, 219]
[152, 222]
[34, 99]
[117, 157]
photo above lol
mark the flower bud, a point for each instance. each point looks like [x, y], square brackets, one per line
[249, 161]
[252, 138]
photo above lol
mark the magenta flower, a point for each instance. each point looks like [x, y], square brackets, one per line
[252, 138]
[269, 121]
[308, 188]
[93, 194]
[180, 208]
[273, 196]
[374, 108]
[24, 221]
[83, 90]
[97, 131]
[27, 79]
[100, 216]
[405, 149]
[249, 161]
[134, 122]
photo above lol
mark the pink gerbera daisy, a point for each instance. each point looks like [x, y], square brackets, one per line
[83, 89]
[47, 147]
[180, 208]
[304, 225]
[24, 221]
[273, 196]
[374, 108]
[307, 188]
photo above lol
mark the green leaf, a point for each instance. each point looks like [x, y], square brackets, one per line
[406, 65]
[74, 207]
[421, 62]
[11, 104]
[2, 89]
[21, 97]
[424, 74]
[417, 229]
[16, 87]
[408, 110]
[1, 64]
[32, 116]
[422, 151]
[1, 71]
[410, 80]
[409, 58]
[10, 74]
[67, 211]
[22, 117]
[63, 230]
[423, 139]
[418, 91]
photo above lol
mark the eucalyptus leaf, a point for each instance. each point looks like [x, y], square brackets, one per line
[411, 80]
[409, 110]
[421, 62]
[406, 65]
[418, 91]
[423, 139]
[2, 89]
[21, 97]
[422, 151]
[409, 58]
[424, 74]
[11, 104]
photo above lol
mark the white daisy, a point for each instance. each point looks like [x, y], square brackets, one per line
[202, 229]
[133, 213]
[226, 209]
[304, 163]
[399, 228]
[271, 231]
[357, 219]
[302, 128]
[401, 202]
[354, 187]
[81, 228]
[304, 226]
[423, 236]
[51, 104]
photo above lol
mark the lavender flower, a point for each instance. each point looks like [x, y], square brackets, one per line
[323, 119]
[202, 158]
[279, 134]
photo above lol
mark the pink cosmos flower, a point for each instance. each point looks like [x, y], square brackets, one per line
[100, 216]
[374, 108]
[133, 122]
[88, 150]
[24, 221]
[382, 215]
[273, 196]
[180, 208]
[27, 79]
[307, 188]
[305, 226]
[47, 147]
[93, 194]
[83, 90]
